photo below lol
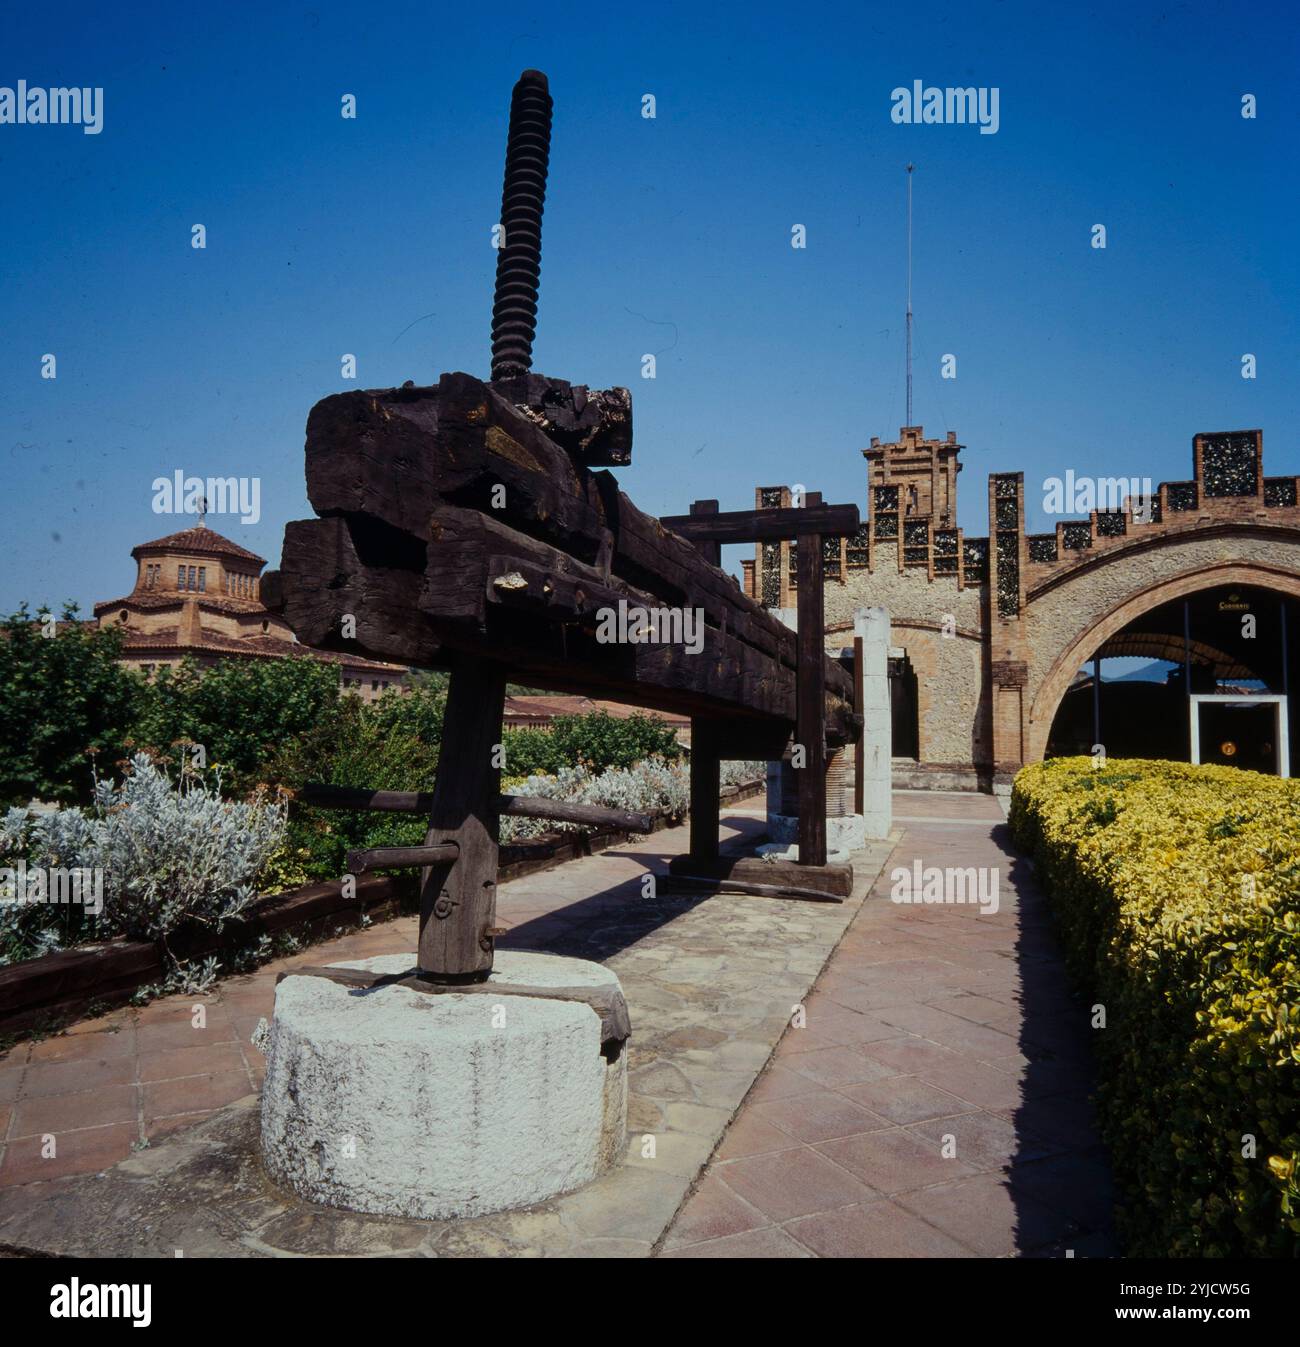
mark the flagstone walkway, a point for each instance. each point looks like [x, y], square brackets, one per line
[936, 1103]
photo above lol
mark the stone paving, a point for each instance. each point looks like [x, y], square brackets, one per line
[153, 1114]
[936, 1103]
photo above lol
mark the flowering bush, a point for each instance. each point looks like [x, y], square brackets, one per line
[167, 855]
[652, 784]
[1178, 894]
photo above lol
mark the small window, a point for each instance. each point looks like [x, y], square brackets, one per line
[203, 579]
[180, 577]
[193, 579]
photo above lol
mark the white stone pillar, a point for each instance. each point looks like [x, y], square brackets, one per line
[872, 625]
[844, 830]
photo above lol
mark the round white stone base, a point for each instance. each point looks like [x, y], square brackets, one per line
[406, 1103]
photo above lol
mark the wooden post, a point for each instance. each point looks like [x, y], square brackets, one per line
[810, 729]
[458, 901]
[705, 785]
[710, 551]
[859, 756]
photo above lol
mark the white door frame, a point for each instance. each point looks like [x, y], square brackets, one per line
[1244, 699]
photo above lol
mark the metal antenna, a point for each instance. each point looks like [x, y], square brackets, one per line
[523, 195]
[909, 293]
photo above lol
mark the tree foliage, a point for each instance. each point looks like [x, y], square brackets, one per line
[65, 702]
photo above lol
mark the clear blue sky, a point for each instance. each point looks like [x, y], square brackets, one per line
[671, 236]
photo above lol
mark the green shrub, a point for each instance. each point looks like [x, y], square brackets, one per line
[597, 741]
[379, 747]
[242, 711]
[65, 701]
[1177, 889]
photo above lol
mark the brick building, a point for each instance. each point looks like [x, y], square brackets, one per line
[997, 640]
[198, 594]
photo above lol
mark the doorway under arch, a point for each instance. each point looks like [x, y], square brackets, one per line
[1206, 676]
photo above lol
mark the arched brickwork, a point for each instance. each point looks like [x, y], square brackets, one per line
[1066, 623]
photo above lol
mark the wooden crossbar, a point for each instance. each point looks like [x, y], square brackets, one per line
[517, 806]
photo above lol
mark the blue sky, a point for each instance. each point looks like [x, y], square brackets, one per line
[671, 236]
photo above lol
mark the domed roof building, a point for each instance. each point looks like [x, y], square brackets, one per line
[198, 595]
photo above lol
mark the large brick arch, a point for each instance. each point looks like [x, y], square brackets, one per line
[1067, 621]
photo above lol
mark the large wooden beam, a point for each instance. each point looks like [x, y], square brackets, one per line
[710, 549]
[593, 424]
[394, 456]
[705, 781]
[859, 753]
[542, 619]
[765, 525]
[835, 880]
[810, 731]
[396, 858]
[458, 901]
[518, 806]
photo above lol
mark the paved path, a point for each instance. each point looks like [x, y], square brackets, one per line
[936, 1103]
[929, 1022]
[709, 983]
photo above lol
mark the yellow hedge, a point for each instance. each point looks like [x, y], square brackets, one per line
[1177, 889]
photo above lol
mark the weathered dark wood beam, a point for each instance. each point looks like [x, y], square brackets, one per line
[394, 858]
[710, 549]
[394, 455]
[458, 901]
[859, 755]
[593, 424]
[748, 526]
[698, 883]
[836, 880]
[810, 730]
[705, 782]
[330, 570]
[518, 806]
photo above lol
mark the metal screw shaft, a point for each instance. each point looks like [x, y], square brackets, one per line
[523, 194]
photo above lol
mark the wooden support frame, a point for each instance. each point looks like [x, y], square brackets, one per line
[810, 727]
[706, 781]
[393, 858]
[859, 710]
[458, 900]
[517, 806]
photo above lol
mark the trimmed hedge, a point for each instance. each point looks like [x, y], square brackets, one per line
[1177, 889]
